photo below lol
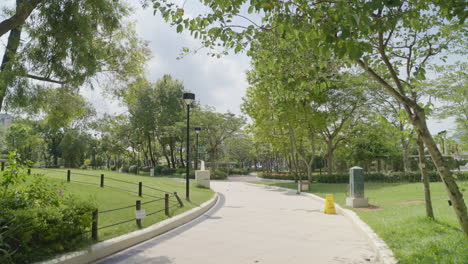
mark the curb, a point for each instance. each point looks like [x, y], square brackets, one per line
[113, 245]
[383, 253]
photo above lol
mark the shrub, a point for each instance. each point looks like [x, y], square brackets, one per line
[180, 170]
[410, 176]
[218, 175]
[36, 222]
[132, 169]
[124, 169]
[113, 168]
[276, 176]
[145, 168]
[167, 171]
[43, 231]
[158, 169]
[235, 171]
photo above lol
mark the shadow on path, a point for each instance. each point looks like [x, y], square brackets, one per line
[123, 256]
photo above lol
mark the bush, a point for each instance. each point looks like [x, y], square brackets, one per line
[167, 171]
[218, 175]
[132, 169]
[36, 222]
[43, 231]
[180, 170]
[235, 171]
[145, 168]
[124, 169]
[113, 168]
[158, 169]
[277, 176]
[411, 176]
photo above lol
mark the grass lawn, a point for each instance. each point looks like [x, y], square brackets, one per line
[398, 218]
[109, 198]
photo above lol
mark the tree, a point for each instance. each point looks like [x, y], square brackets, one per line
[239, 149]
[73, 147]
[450, 87]
[216, 128]
[22, 138]
[60, 108]
[393, 42]
[66, 42]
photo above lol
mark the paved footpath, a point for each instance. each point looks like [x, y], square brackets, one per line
[255, 224]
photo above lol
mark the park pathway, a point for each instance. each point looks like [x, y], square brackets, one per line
[255, 224]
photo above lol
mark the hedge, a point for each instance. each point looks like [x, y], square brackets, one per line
[412, 176]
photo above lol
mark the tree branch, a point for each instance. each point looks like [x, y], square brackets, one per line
[45, 79]
[23, 10]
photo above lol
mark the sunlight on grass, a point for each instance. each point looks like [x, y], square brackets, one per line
[110, 198]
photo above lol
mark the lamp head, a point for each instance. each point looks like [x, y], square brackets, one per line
[188, 98]
[197, 129]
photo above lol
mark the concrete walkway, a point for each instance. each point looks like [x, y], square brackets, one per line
[255, 224]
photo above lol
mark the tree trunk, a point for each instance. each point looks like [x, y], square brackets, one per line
[405, 146]
[453, 191]
[418, 119]
[425, 178]
[171, 149]
[150, 150]
[330, 157]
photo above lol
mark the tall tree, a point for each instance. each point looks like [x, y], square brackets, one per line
[66, 42]
[393, 42]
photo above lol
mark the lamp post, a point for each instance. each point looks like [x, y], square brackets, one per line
[197, 130]
[188, 98]
[442, 134]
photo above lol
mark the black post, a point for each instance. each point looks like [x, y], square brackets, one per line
[29, 171]
[166, 204]
[102, 180]
[94, 227]
[138, 208]
[3, 165]
[140, 189]
[178, 199]
[187, 180]
[68, 175]
[196, 156]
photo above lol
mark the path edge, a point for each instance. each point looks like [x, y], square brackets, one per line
[116, 244]
[384, 254]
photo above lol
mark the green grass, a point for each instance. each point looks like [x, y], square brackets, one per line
[109, 198]
[412, 237]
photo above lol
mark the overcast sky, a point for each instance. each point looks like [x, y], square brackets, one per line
[217, 82]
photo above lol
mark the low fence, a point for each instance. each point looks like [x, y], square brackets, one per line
[170, 200]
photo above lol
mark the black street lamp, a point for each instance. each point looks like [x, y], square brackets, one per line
[197, 130]
[442, 134]
[188, 98]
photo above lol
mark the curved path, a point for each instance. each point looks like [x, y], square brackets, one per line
[255, 224]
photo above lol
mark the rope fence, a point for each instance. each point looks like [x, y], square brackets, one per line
[171, 200]
[138, 211]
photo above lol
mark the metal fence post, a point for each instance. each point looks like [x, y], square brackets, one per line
[29, 171]
[3, 165]
[140, 189]
[166, 204]
[138, 208]
[94, 227]
[68, 175]
[178, 199]
[102, 180]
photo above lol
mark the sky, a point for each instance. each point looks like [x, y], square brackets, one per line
[220, 83]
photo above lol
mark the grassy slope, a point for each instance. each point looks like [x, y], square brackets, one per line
[412, 237]
[108, 198]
